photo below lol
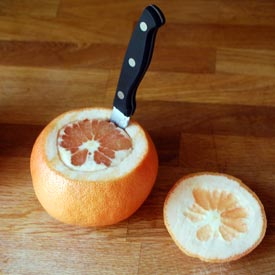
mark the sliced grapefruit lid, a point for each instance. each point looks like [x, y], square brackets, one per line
[214, 216]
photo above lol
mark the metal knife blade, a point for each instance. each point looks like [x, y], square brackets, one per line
[119, 118]
[136, 61]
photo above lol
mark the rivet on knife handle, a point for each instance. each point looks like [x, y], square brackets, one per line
[136, 62]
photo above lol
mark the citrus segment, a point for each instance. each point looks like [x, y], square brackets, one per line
[87, 171]
[214, 217]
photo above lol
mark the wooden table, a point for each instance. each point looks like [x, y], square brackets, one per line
[208, 101]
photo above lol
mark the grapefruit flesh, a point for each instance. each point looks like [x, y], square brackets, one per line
[89, 145]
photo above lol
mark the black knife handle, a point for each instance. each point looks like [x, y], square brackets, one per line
[137, 58]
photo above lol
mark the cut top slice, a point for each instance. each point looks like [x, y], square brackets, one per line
[214, 217]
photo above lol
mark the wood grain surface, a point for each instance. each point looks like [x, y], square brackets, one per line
[208, 101]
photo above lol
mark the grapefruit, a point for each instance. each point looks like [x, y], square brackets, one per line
[214, 217]
[87, 171]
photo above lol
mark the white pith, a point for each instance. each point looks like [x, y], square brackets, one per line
[123, 163]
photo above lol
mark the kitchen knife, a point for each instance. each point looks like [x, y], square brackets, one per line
[136, 61]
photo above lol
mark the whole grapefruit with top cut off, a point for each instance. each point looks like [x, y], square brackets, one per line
[87, 171]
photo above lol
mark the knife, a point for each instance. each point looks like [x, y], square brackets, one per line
[136, 61]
